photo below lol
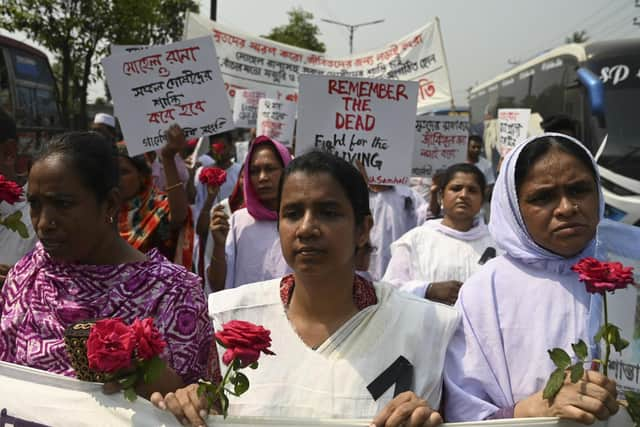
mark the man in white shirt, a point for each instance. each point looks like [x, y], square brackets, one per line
[474, 148]
[12, 245]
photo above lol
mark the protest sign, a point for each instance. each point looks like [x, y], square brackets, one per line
[249, 62]
[371, 121]
[123, 49]
[177, 83]
[245, 107]
[513, 125]
[440, 141]
[277, 119]
[242, 149]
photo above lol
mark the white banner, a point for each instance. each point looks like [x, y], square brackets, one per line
[249, 62]
[277, 119]
[245, 108]
[371, 121]
[55, 400]
[176, 83]
[440, 141]
[513, 127]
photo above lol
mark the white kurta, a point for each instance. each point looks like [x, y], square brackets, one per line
[436, 253]
[252, 250]
[331, 382]
[394, 213]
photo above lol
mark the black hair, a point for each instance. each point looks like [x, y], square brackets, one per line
[91, 156]
[343, 172]
[7, 127]
[227, 136]
[476, 138]
[538, 148]
[467, 168]
[559, 123]
[139, 162]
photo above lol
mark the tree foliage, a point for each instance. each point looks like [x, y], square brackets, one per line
[300, 31]
[577, 37]
[79, 32]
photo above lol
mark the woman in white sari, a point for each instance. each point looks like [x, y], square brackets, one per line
[334, 333]
[433, 260]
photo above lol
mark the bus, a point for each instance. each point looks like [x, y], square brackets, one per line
[28, 93]
[598, 85]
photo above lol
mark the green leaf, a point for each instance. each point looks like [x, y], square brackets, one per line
[13, 222]
[155, 368]
[580, 348]
[128, 381]
[633, 405]
[254, 365]
[130, 394]
[577, 372]
[601, 332]
[242, 383]
[556, 380]
[560, 358]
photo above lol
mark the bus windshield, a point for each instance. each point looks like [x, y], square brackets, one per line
[621, 77]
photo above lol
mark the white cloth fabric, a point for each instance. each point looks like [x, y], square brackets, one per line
[12, 245]
[394, 213]
[331, 381]
[433, 253]
[485, 167]
[55, 400]
[252, 250]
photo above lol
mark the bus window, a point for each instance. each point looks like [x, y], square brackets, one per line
[25, 113]
[47, 109]
[5, 88]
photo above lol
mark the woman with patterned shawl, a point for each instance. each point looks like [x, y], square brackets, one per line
[149, 218]
[82, 269]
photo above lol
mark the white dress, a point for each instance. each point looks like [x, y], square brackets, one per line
[331, 382]
[252, 251]
[12, 245]
[433, 253]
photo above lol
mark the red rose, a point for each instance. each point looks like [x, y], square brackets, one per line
[110, 345]
[218, 148]
[10, 192]
[601, 277]
[213, 176]
[244, 341]
[149, 342]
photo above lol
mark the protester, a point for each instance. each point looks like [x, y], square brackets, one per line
[433, 260]
[105, 125]
[222, 149]
[82, 269]
[545, 210]
[151, 219]
[246, 247]
[157, 169]
[12, 245]
[333, 332]
[473, 157]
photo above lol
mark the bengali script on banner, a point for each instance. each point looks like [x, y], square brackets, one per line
[255, 63]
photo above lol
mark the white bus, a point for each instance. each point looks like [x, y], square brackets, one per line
[596, 84]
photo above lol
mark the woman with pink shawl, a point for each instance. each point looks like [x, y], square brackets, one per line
[246, 246]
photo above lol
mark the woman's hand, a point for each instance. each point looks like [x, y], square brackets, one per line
[407, 410]
[444, 292]
[591, 398]
[176, 142]
[219, 225]
[184, 404]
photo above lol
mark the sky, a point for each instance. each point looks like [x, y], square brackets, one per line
[481, 37]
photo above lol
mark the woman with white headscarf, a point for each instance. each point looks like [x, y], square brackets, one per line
[545, 210]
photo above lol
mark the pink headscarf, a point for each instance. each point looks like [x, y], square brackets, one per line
[253, 203]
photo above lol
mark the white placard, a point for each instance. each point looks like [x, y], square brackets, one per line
[441, 141]
[250, 62]
[277, 119]
[177, 83]
[123, 49]
[245, 107]
[513, 127]
[242, 149]
[372, 121]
